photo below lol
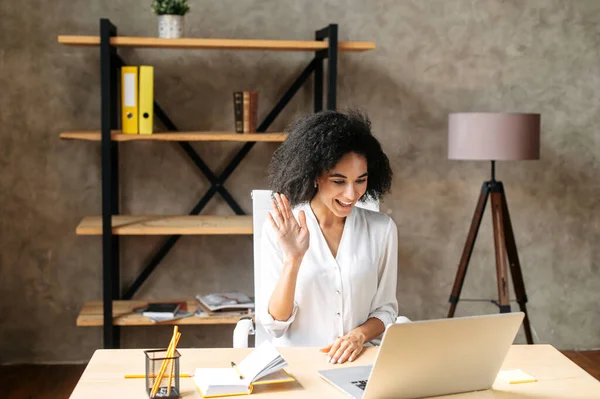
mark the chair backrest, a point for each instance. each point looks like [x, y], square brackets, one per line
[260, 206]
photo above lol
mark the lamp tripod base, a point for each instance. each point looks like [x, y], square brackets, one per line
[505, 249]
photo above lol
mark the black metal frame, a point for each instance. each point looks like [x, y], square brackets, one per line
[110, 63]
[110, 180]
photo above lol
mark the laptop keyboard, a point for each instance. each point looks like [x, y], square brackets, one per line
[362, 384]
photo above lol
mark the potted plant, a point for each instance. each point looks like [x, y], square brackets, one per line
[170, 17]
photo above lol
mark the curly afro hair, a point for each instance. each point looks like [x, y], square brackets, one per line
[316, 143]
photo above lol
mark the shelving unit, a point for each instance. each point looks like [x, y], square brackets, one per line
[115, 309]
[92, 315]
[179, 136]
[168, 225]
[217, 44]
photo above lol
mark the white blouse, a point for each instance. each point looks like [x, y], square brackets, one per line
[334, 295]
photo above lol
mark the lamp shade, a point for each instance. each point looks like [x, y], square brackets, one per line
[493, 136]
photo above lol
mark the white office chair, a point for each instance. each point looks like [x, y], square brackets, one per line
[261, 204]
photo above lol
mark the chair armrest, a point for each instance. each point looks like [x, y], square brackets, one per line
[243, 328]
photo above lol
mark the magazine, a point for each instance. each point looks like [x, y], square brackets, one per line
[225, 301]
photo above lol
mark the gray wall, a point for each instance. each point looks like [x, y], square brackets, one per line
[432, 58]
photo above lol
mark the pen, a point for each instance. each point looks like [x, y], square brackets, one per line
[238, 370]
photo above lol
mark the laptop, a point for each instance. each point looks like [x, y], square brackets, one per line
[433, 357]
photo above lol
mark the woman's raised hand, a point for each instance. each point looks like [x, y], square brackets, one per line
[292, 234]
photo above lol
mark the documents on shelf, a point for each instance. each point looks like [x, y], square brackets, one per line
[146, 114]
[129, 99]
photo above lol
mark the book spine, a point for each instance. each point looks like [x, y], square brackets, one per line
[253, 111]
[246, 105]
[238, 112]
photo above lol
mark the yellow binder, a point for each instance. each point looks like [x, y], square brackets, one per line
[129, 99]
[146, 114]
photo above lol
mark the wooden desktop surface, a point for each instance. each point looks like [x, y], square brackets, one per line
[557, 376]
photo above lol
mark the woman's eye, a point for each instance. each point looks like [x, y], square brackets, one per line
[338, 182]
[361, 181]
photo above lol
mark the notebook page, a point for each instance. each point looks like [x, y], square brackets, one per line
[261, 360]
[272, 367]
[219, 381]
[277, 376]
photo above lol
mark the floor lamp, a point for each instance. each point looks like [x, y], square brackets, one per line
[494, 137]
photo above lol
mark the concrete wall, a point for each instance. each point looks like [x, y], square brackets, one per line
[433, 57]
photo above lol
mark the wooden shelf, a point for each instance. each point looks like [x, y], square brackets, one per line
[219, 44]
[92, 315]
[178, 136]
[168, 225]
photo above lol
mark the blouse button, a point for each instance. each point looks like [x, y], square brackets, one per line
[337, 292]
[338, 314]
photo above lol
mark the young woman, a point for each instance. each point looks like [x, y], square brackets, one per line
[329, 268]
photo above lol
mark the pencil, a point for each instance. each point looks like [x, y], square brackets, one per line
[132, 376]
[163, 366]
[170, 355]
[172, 364]
[165, 362]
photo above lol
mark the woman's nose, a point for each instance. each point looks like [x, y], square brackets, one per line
[350, 192]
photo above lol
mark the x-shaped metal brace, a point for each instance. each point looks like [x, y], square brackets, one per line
[217, 182]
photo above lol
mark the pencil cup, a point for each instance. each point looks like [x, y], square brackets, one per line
[158, 365]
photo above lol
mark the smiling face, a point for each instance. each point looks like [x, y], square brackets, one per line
[341, 187]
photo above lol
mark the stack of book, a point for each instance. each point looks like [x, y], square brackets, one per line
[164, 311]
[137, 99]
[245, 106]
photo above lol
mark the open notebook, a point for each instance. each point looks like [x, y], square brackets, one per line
[264, 365]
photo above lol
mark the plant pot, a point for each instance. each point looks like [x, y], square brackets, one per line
[170, 26]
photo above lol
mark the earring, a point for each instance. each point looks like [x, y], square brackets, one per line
[315, 184]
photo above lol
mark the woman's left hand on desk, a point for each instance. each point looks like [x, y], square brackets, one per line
[345, 348]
